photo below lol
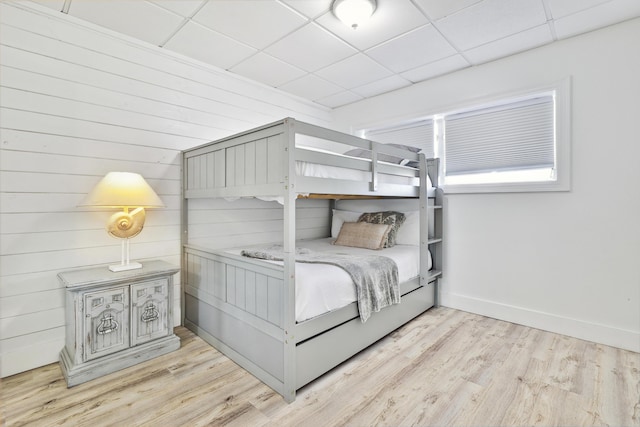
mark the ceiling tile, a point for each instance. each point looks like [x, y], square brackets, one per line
[257, 23]
[268, 70]
[310, 48]
[205, 45]
[443, 66]
[311, 87]
[600, 16]
[520, 42]
[413, 49]
[309, 8]
[560, 8]
[126, 17]
[381, 86]
[436, 9]
[354, 71]
[339, 99]
[491, 20]
[183, 8]
[51, 4]
[390, 19]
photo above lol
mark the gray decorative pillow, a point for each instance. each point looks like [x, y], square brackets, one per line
[406, 147]
[412, 164]
[392, 218]
[366, 154]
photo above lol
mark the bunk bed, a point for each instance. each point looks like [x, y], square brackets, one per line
[246, 307]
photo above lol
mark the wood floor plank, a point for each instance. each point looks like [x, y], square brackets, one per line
[422, 373]
[376, 388]
[446, 367]
[619, 379]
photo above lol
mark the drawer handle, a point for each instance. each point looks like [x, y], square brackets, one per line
[107, 325]
[150, 313]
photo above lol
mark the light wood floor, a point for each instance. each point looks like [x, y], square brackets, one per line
[446, 367]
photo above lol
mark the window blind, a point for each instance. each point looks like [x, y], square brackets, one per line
[513, 136]
[417, 134]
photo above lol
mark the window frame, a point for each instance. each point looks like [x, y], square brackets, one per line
[562, 123]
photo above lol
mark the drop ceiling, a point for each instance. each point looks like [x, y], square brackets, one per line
[300, 47]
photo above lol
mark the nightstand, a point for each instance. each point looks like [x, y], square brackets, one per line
[116, 320]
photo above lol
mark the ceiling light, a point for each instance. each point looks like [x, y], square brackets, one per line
[354, 12]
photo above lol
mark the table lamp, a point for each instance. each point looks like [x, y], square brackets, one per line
[130, 192]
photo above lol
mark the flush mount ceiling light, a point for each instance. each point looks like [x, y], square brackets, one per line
[353, 12]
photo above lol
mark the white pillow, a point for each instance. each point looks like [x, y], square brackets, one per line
[409, 231]
[340, 217]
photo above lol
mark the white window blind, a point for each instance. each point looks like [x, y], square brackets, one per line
[513, 136]
[416, 134]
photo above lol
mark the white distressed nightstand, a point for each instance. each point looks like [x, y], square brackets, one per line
[116, 320]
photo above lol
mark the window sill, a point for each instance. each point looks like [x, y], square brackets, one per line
[514, 187]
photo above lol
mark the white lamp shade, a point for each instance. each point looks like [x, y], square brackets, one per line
[354, 12]
[122, 190]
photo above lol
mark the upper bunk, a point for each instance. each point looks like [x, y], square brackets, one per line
[292, 157]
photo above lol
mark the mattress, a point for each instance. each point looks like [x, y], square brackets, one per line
[321, 288]
[310, 169]
[316, 170]
[335, 172]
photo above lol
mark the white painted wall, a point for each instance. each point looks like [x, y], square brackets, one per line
[77, 102]
[566, 262]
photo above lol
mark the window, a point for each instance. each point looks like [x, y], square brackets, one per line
[517, 143]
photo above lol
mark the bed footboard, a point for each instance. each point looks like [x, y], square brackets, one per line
[236, 306]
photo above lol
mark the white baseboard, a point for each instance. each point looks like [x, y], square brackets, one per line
[602, 334]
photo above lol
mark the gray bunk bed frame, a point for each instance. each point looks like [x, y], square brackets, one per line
[256, 326]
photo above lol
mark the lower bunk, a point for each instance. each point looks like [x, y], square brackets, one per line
[236, 304]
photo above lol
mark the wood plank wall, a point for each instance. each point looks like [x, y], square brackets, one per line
[78, 101]
[218, 224]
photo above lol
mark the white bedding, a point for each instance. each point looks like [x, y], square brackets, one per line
[324, 171]
[316, 170]
[321, 288]
[335, 172]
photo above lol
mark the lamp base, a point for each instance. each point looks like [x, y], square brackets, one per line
[125, 267]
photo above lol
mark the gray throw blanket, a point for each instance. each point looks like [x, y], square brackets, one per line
[375, 276]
